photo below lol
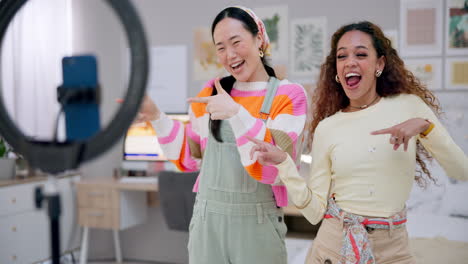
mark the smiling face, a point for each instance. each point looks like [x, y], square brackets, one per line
[238, 50]
[356, 65]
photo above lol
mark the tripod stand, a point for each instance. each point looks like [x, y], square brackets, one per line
[55, 157]
[51, 196]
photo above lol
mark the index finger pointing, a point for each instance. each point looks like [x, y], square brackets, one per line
[382, 131]
[254, 140]
[203, 100]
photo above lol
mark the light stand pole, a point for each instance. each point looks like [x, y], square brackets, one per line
[51, 196]
[54, 157]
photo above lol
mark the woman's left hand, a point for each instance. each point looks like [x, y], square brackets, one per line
[220, 106]
[267, 154]
[403, 132]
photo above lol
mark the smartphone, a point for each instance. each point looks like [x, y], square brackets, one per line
[81, 117]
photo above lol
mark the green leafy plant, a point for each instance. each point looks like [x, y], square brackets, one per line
[4, 148]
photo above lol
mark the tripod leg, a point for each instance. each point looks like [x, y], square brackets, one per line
[54, 226]
[84, 246]
[118, 252]
[73, 257]
[54, 207]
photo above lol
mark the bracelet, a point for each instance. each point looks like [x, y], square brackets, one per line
[428, 130]
[307, 202]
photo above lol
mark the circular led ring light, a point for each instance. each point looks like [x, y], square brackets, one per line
[55, 157]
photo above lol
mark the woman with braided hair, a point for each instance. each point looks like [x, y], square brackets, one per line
[237, 215]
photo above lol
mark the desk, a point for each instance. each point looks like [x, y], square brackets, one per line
[110, 204]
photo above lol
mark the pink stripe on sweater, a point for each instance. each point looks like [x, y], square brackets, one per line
[189, 163]
[281, 195]
[269, 174]
[296, 94]
[203, 143]
[191, 134]
[195, 186]
[172, 135]
[210, 83]
[294, 137]
[252, 132]
[239, 93]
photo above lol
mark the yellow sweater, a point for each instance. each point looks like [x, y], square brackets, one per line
[366, 175]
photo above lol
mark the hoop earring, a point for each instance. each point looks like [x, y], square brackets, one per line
[261, 53]
[378, 73]
[337, 79]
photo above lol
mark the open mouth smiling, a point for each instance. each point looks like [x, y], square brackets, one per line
[237, 65]
[353, 79]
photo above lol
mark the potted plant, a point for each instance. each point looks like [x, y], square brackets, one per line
[7, 164]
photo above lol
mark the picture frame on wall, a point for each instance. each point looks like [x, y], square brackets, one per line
[421, 27]
[428, 71]
[456, 77]
[276, 23]
[456, 27]
[205, 62]
[307, 48]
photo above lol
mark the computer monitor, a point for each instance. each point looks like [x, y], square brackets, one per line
[141, 143]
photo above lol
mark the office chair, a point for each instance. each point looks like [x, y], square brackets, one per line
[177, 198]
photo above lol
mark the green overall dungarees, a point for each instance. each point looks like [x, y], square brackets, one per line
[235, 218]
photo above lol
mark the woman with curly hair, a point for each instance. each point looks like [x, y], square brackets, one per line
[359, 183]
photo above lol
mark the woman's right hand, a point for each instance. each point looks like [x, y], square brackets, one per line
[148, 110]
[267, 154]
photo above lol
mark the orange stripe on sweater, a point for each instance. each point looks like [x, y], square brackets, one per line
[255, 170]
[251, 104]
[268, 137]
[282, 104]
[178, 162]
[198, 109]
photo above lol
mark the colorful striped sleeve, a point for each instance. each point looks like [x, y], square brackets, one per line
[283, 128]
[184, 144]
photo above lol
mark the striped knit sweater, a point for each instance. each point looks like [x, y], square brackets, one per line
[184, 144]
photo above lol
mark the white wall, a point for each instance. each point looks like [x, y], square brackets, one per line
[171, 23]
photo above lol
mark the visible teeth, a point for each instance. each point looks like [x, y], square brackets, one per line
[235, 65]
[352, 74]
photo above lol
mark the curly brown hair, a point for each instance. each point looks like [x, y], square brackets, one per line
[329, 97]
